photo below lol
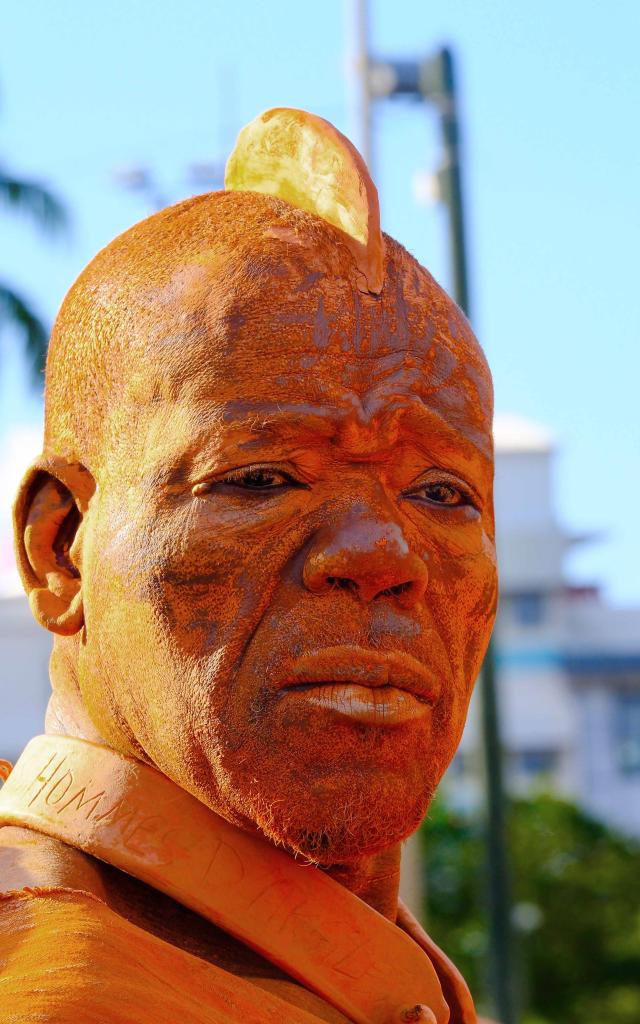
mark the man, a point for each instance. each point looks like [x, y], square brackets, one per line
[261, 532]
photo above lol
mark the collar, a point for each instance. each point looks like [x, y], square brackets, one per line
[128, 814]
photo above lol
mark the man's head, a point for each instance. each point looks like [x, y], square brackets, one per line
[262, 527]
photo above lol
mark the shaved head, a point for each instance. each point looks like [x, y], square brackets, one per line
[217, 267]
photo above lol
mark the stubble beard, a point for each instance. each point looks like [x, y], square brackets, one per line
[365, 820]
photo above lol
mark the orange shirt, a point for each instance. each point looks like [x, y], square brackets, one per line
[67, 957]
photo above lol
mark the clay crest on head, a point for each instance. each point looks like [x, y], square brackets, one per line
[304, 160]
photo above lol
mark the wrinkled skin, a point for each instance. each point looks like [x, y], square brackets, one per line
[278, 478]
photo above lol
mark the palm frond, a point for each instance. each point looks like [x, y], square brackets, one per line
[15, 311]
[34, 200]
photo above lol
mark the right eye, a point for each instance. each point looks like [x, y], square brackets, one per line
[259, 479]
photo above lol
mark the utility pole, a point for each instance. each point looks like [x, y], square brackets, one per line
[359, 77]
[432, 82]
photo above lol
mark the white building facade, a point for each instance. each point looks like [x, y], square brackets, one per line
[568, 665]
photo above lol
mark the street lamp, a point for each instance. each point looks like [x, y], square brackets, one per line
[432, 81]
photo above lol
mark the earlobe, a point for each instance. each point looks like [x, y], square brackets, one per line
[48, 516]
[57, 614]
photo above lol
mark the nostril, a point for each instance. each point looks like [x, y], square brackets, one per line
[342, 583]
[399, 588]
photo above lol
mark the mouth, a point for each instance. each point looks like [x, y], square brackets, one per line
[365, 686]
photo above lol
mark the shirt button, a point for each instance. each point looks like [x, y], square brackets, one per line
[418, 1014]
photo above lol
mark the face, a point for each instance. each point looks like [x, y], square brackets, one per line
[288, 565]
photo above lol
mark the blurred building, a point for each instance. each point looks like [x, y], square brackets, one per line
[24, 646]
[24, 675]
[568, 663]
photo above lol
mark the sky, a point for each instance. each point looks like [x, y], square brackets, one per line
[550, 94]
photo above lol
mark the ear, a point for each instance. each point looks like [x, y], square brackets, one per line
[48, 516]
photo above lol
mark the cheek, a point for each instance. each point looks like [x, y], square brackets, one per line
[200, 594]
[463, 598]
[216, 568]
[124, 657]
[208, 584]
[178, 569]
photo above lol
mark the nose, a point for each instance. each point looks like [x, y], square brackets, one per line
[367, 556]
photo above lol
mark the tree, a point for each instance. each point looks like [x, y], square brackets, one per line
[47, 212]
[576, 888]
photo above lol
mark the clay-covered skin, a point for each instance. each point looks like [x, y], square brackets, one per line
[279, 579]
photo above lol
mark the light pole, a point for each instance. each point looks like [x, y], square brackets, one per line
[432, 81]
[359, 73]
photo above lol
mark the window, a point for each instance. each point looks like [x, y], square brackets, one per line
[528, 608]
[627, 731]
[535, 763]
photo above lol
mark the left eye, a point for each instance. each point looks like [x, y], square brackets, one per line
[441, 493]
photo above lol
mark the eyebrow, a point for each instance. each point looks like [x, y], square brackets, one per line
[264, 420]
[475, 443]
[282, 419]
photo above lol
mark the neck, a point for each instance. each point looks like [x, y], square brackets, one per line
[66, 714]
[374, 879]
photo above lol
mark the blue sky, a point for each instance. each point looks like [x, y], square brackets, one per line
[551, 93]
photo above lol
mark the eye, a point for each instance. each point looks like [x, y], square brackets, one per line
[442, 492]
[258, 478]
[250, 478]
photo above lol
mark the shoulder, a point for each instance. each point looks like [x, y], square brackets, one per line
[67, 958]
[46, 933]
[29, 859]
[48, 893]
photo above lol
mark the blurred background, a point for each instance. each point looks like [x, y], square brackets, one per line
[504, 142]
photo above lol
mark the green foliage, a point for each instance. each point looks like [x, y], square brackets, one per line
[576, 891]
[36, 202]
[33, 200]
[16, 310]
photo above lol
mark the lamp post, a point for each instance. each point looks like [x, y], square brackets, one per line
[432, 81]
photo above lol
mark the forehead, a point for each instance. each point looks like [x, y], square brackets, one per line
[291, 322]
[284, 339]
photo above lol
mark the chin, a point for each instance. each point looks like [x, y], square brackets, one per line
[327, 795]
[344, 822]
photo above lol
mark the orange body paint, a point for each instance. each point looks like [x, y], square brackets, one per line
[261, 531]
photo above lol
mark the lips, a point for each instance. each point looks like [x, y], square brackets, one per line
[384, 680]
